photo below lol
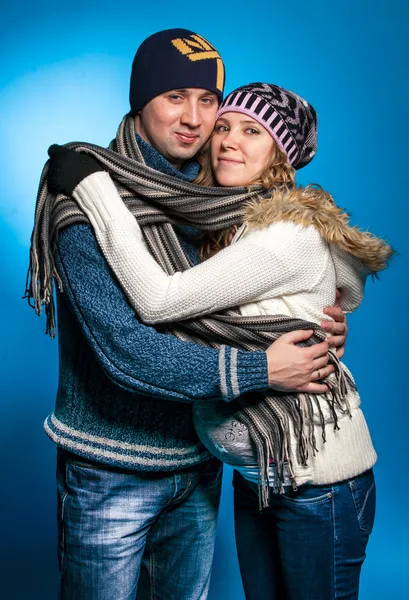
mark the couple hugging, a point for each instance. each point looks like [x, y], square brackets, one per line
[201, 297]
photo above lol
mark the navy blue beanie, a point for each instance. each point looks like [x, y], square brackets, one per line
[174, 59]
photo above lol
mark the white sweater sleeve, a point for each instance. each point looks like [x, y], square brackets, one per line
[351, 277]
[244, 272]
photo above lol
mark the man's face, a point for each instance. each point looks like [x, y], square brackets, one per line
[178, 123]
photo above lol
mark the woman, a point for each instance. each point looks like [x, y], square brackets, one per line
[293, 251]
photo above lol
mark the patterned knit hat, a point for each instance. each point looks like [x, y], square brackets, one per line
[174, 59]
[289, 119]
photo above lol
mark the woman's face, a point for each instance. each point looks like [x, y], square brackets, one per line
[240, 149]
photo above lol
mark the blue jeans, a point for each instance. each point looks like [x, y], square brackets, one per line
[309, 544]
[111, 520]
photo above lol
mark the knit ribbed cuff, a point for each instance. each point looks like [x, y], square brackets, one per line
[241, 372]
[98, 197]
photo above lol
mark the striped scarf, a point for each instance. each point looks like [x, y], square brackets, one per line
[159, 202]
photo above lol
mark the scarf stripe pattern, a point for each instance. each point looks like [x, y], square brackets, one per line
[159, 201]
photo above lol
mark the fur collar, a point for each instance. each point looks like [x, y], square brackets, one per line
[313, 206]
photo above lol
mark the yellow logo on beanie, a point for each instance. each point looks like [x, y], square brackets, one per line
[197, 48]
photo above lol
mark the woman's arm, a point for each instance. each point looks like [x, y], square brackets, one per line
[242, 273]
[135, 356]
[351, 277]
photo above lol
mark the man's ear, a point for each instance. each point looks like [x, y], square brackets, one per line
[137, 120]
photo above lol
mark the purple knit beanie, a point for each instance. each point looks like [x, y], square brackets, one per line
[287, 117]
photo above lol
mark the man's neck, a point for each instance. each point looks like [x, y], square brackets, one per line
[156, 160]
[188, 172]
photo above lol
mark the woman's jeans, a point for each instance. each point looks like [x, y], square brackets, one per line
[309, 544]
[112, 521]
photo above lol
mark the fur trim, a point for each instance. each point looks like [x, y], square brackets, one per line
[313, 206]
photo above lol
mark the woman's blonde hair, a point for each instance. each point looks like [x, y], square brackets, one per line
[276, 172]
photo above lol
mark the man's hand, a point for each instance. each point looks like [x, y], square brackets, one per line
[337, 328]
[291, 368]
[68, 168]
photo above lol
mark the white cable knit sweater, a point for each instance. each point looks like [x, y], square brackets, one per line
[284, 268]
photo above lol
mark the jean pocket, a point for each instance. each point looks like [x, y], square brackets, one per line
[314, 497]
[85, 464]
[81, 463]
[363, 492]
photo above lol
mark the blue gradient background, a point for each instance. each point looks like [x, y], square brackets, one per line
[64, 76]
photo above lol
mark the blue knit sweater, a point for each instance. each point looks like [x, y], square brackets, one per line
[125, 390]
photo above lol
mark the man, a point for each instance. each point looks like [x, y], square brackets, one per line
[132, 475]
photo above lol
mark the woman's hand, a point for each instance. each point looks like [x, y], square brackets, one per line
[68, 168]
[338, 329]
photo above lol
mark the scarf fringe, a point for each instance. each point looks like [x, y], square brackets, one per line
[271, 427]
